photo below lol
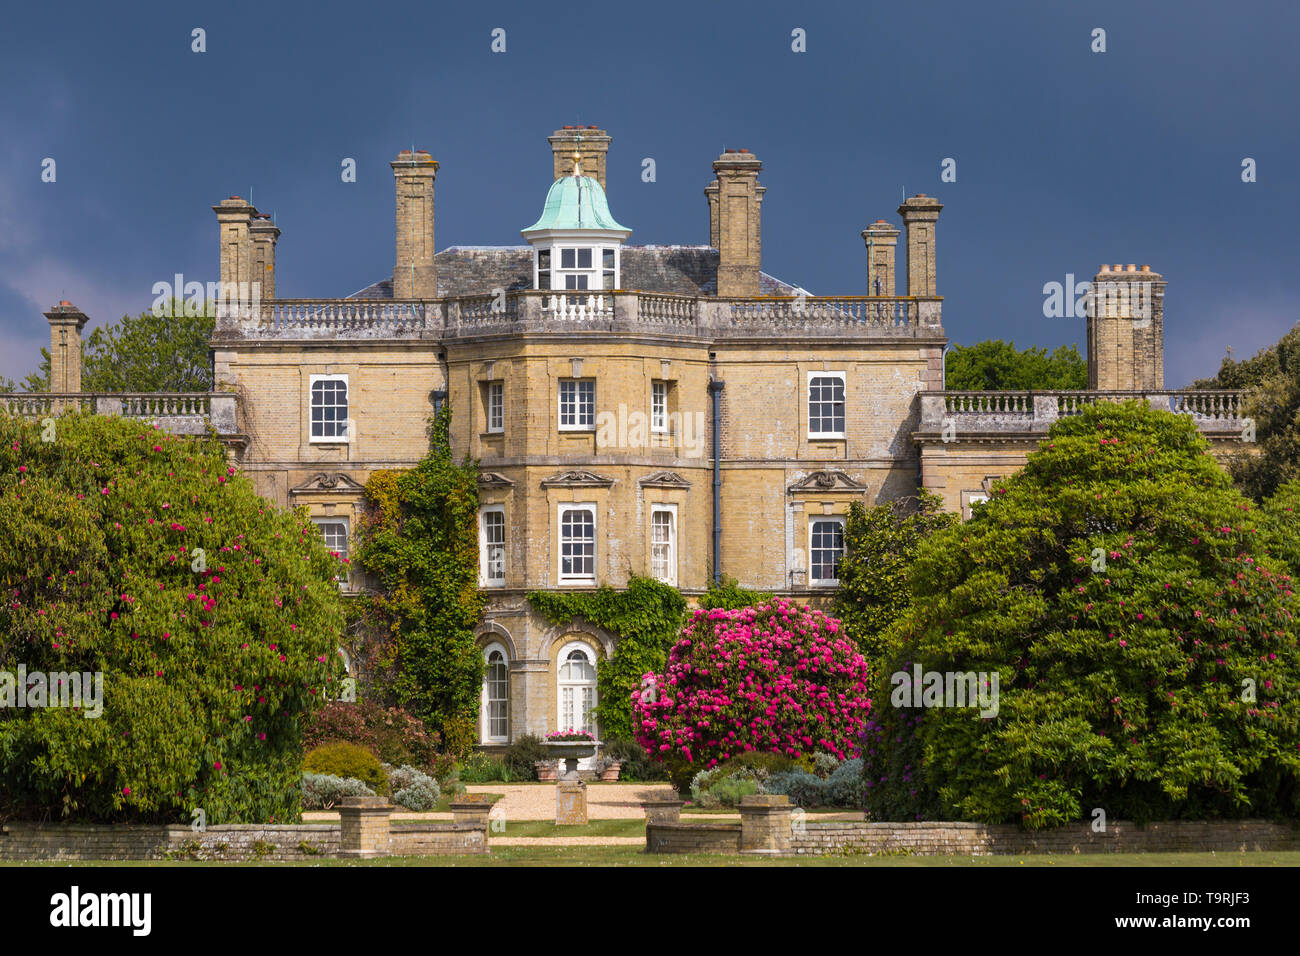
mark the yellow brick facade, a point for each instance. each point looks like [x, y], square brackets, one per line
[736, 347]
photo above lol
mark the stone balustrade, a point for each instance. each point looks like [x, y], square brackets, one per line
[993, 413]
[181, 413]
[533, 311]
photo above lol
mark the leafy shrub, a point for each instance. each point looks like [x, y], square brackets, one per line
[880, 544]
[348, 760]
[777, 677]
[322, 791]
[207, 674]
[803, 789]
[824, 764]
[413, 789]
[1119, 688]
[728, 791]
[480, 767]
[726, 783]
[521, 756]
[396, 736]
[637, 767]
[728, 595]
[844, 787]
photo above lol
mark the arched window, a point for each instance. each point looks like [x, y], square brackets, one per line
[576, 683]
[496, 695]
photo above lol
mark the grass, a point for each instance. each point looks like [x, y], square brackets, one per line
[545, 828]
[635, 856]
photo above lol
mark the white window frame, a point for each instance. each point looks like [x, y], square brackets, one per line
[578, 426]
[974, 498]
[312, 437]
[561, 720]
[808, 403]
[485, 710]
[659, 405]
[561, 511]
[496, 407]
[813, 521]
[485, 577]
[319, 520]
[671, 511]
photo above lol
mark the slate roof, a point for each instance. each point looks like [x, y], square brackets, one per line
[477, 270]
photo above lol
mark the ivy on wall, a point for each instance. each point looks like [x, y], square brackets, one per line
[419, 537]
[647, 617]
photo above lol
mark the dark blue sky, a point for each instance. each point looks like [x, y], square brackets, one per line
[1065, 158]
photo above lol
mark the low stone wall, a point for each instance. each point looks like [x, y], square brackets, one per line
[692, 837]
[437, 839]
[363, 831]
[271, 842]
[769, 826]
[978, 839]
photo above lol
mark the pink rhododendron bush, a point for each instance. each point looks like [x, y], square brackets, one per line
[778, 677]
[200, 621]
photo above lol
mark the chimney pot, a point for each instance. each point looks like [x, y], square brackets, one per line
[1132, 267]
[1104, 268]
[1146, 268]
[920, 195]
[568, 127]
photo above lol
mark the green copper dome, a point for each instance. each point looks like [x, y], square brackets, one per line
[575, 202]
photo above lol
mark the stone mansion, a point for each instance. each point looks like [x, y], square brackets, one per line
[667, 411]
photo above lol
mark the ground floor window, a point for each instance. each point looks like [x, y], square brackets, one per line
[577, 688]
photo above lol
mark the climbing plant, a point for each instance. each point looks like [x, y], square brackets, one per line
[647, 617]
[419, 538]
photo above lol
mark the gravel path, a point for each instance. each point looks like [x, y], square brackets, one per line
[605, 801]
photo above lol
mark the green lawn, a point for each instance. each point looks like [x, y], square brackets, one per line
[634, 856]
[547, 828]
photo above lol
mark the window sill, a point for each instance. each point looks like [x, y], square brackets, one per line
[577, 429]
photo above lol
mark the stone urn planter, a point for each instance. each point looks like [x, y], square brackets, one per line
[610, 773]
[571, 751]
[546, 770]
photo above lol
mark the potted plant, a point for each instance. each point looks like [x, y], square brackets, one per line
[546, 770]
[608, 768]
[571, 746]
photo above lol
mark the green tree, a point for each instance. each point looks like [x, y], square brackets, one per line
[994, 365]
[419, 538]
[212, 616]
[1271, 384]
[143, 353]
[1132, 607]
[880, 544]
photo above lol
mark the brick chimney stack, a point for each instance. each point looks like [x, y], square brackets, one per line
[66, 322]
[590, 143]
[234, 221]
[737, 198]
[264, 235]
[1126, 321]
[881, 239]
[415, 275]
[920, 213]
